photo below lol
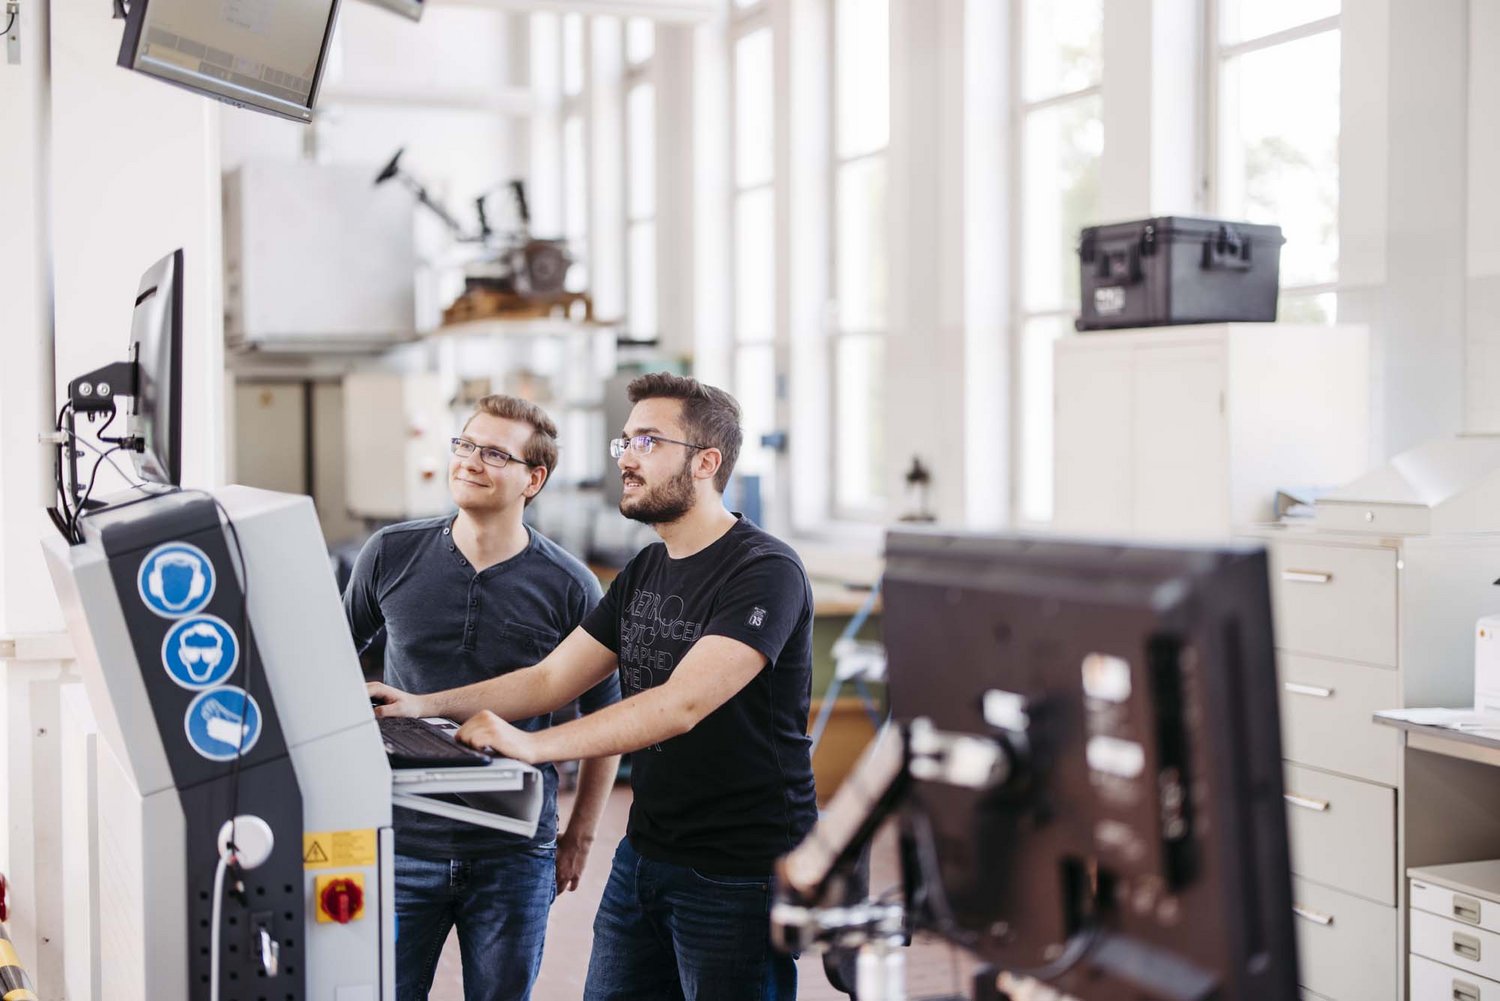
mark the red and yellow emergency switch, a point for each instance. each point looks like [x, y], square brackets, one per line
[341, 898]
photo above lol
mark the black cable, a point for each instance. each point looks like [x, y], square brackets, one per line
[9, 24]
[1079, 944]
[125, 446]
[63, 521]
[83, 502]
[249, 663]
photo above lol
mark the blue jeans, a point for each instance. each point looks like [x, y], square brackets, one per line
[500, 906]
[670, 932]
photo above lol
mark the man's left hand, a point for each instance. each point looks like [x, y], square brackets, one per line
[489, 732]
[572, 856]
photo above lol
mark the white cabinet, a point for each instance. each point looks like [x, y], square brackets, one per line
[1363, 622]
[1187, 432]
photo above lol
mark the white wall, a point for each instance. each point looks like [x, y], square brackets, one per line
[133, 174]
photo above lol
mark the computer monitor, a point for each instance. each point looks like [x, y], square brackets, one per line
[267, 55]
[406, 8]
[1136, 846]
[155, 412]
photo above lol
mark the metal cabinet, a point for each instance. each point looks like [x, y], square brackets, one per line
[1363, 622]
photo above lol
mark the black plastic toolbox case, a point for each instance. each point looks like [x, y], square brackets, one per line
[1177, 269]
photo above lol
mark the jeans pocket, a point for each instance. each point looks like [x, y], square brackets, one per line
[724, 882]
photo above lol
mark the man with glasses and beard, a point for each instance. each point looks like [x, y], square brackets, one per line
[711, 634]
[462, 599]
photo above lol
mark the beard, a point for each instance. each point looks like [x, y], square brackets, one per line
[663, 503]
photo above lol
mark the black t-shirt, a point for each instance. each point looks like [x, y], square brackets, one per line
[735, 792]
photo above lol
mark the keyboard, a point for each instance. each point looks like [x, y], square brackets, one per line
[416, 743]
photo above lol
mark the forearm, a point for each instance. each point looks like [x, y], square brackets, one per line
[596, 776]
[517, 695]
[639, 721]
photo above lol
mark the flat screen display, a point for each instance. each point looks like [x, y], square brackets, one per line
[267, 55]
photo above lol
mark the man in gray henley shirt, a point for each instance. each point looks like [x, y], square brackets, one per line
[464, 599]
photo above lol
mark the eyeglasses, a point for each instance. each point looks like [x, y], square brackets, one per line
[497, 457]
[644, 443]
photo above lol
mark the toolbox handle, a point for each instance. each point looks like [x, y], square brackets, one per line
[1226, 250]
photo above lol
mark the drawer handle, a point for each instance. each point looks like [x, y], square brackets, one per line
[1466, 909]
[1466, 946]
[1465, 992]
[1307, 576]
[1313, 690]
[1316, 917]
[1316, 805]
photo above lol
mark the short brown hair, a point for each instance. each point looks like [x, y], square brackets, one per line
[541, 447]
[710, 416]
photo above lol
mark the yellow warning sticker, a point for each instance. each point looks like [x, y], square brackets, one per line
[338, 849]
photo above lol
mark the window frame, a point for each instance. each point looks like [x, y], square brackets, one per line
[1021, 108]
[633, 75]
[1216, 56]
[834, 333]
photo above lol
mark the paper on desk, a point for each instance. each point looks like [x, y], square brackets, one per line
[1452, 719]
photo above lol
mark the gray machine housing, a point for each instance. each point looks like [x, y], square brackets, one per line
[317, 769]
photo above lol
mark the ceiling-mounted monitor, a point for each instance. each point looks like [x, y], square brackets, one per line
[406, 8]
[267, 55]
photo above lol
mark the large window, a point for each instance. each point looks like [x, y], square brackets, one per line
[1276, 136]
[861, 87]
[754, 243]
[640, 179]
[1060, 141]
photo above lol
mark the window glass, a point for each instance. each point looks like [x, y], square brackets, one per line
[863, 70]
[1064, 50]
[572, 54]
[753, 125]
[859, 420]
[640, 40]
[642, 270]
[861, 245]
[1278, 149]
[755, 389]
[1242, 20]
[1060, 184]
[754, 265]
[640, 138]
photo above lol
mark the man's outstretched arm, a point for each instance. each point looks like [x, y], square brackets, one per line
[713, 671]
[577, 664]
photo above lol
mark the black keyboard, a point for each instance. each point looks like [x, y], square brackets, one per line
[416, 743]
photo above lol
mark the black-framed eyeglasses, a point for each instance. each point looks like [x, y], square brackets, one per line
[644, 443]
[488, 454]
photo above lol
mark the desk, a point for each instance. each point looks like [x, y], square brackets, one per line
[1452, 792]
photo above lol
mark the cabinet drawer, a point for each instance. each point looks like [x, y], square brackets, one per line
[1435, 982]
[1335, 601]
[1342, 833]
[1326, 709]
[1455, 905]
[1456, 944]
[1346, 947]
